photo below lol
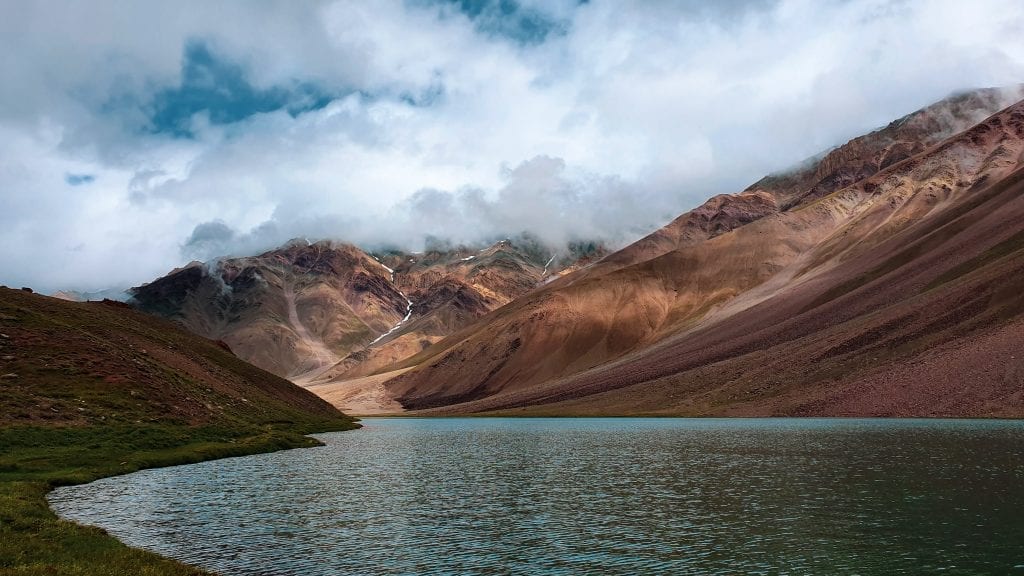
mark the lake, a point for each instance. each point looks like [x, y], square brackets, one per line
[590, 496]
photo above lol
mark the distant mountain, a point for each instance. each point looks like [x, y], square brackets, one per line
[327, 310]
[884, 278]
[289, 311]
[116, 294]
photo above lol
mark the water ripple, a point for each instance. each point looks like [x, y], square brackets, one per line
[590, 496]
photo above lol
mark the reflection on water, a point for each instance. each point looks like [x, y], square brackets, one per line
[590, 496]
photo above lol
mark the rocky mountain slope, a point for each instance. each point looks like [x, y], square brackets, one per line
[884, 278]
[328, 310]
[287, 311]
[842, 166]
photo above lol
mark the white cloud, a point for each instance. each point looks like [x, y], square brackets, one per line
[624, 116]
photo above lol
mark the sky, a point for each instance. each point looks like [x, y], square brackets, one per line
[138, 136]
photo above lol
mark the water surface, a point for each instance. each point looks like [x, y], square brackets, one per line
[590, 496]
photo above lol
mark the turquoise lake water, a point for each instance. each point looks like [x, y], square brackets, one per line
[591, 496]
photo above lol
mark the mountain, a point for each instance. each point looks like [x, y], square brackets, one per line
[116, 294]
[326, 310]
[287, 311]
[842, 166]
[884, 278]
[103, 364]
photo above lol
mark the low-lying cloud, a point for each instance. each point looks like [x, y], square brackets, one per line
[537, 197]
[135, 137]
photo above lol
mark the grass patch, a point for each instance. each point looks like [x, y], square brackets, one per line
[33, 459]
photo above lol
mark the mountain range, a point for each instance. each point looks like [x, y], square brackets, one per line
[327, 310]
[883, 278]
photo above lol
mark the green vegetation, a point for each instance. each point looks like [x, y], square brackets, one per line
[34, 459]
[94, 390]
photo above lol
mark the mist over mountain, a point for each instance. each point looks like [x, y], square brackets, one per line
[537, 199]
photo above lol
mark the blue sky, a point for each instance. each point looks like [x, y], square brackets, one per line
[137, 136]
[218, 88]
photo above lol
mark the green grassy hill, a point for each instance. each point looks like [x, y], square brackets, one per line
[96, 389]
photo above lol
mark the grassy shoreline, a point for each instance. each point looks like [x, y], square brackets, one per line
[34, 460]
[89, 390]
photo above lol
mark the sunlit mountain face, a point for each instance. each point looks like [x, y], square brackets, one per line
[881, 280]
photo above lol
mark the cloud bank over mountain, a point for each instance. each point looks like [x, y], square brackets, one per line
[134, 137]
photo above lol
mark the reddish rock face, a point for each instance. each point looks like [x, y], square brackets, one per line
[886, 278]
[289, 310]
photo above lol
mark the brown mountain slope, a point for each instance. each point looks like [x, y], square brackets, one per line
[819, 296]
[104, 364]
[451, 289]
[97, 389]
[290, 311]
[859, 158]
[314, 312]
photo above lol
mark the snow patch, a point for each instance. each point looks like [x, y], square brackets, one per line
[408, 314]
[390, 271]
[408, 307]
[545, 272]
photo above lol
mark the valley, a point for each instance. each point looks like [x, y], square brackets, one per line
[556, 288]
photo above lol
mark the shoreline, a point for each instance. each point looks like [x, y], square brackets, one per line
[496, 415]
[38, 541]
[499, 469]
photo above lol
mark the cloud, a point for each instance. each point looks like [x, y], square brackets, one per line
[537, 196]
[210, 239]
[228, 127]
